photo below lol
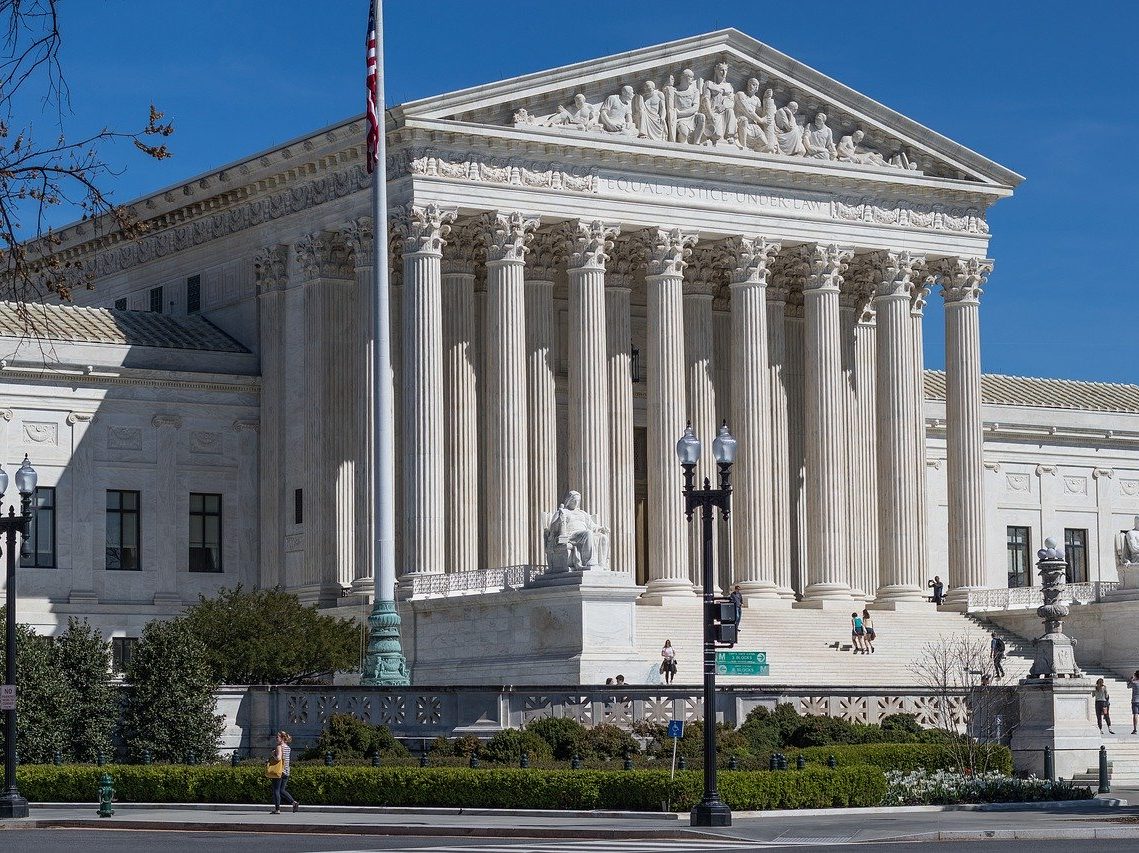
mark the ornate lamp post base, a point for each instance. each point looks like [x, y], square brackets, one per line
[711, 813]
[384, 663]
[12, 805]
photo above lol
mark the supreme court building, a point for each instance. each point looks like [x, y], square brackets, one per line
[582, 261]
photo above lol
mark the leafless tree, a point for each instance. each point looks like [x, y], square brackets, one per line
[42, 170]
[958, 670]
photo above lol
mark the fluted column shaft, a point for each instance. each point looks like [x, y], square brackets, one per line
[865, 532]
[622, 547]
[827, 551]
[780, 525]
[588, 391]
[541, 404]
[846, 318]
[795, 371]
[921, 518]
[897, 468]
[701, 405]
[460, 421]
[962, 280]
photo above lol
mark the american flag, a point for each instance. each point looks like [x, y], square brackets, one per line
[372, 82]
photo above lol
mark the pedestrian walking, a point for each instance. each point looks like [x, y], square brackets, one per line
[737, 600]
[857, 634]
[278, 771]
[868, 625]
[668, 665]
[938, 589]
[997, 653]
[1102, 706]
[1134, 682]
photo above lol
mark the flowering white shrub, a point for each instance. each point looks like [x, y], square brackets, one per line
[948, 787]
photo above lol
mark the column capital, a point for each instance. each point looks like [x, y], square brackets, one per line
[423, 229]
[271, 268]
[587, 243]
[323, 255]
[359, 236]
[828, 265]
[750, 259]
[621, 270]
[788, 273]
[666, 250]
[463, 252]
[896, 273]
[704, 274]
[508, 235]
[962, 279]
[543, 261]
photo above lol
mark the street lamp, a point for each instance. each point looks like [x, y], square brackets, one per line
[11, 803]
[710, 811]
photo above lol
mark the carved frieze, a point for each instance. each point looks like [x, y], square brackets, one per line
[124, 438]
[44, 433]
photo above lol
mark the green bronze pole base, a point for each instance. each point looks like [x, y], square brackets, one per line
[384, 663]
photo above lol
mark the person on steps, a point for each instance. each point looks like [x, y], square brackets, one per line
[871, 635]
[668, 665]
[857, 634]
[737, 600]
[938, 589]
[997, 653]
[1133, 681]
[1102, 706]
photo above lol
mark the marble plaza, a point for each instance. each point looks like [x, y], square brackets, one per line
[582, 261]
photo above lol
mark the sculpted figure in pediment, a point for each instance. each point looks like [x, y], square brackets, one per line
[616, 114]
[580, 114]
[902, 160]
[685, 121]
[818, 140]
[718, 106]
[788, 132]
[651, 113]
[848, 151]
[755, 119]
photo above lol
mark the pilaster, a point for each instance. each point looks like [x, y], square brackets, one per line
[81, 469]
[167, 561]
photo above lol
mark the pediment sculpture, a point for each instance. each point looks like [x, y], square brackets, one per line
[695, 111]
[574, 539]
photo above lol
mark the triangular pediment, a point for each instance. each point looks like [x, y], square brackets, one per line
[647, 97]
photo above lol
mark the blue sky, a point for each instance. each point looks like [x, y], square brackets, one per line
[1046, 88]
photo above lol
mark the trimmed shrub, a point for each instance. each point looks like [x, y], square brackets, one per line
[566, 737]
[905, 756]
[507, 746]
[902, 724]
[609, 741]
[766, 730]
[728, 742]
[346, 736]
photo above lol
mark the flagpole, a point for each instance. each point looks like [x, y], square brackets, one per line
[384, 663]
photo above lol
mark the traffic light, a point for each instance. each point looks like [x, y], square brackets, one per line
[724, 622]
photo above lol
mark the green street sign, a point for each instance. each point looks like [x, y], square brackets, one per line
[741, 663]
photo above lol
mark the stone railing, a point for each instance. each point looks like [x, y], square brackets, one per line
[474, 582]
[1029, 597]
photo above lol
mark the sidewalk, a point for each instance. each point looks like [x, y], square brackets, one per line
[1080, 820]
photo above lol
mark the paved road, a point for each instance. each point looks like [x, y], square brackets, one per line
[111, 841]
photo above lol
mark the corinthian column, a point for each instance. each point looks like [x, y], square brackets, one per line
[917, 312]
[961, 283]
[460, 401]
[898, 473]
[622, 527]
[848, 310]
[587, 244]
[777, 379]
[541, 399]
[508, 510]
[827, 545]
[424, 231]
[753, 559]
[864, 535]
[668, 531]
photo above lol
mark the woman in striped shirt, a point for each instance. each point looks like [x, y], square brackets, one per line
[280, 786]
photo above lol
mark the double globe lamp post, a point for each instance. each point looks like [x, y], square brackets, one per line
[710, 811]
[11, 803]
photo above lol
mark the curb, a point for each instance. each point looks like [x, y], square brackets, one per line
[1050, 805]
[1055, 834]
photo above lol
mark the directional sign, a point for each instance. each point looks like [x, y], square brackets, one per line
[676, 728]
[741, 663]
[7, 697]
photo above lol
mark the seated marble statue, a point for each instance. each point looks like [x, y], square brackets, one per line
[580, 114]
[616, 115]
[818, 140]
[848, 151]
[574, 540]
[1127, 546]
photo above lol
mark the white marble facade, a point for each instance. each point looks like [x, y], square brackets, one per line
[582, 261]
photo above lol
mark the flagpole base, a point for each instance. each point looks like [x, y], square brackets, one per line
[384, 663]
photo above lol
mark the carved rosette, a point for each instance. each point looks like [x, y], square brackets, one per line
[423, 229]
[666, 250]
[587, 243]
[271, 268]
[508, 236]
[322, 256]
[359, 236]
[750, 258]
[963, 279]
[464, 253]
[828, 265]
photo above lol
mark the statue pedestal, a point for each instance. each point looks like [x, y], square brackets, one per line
[1128, 589]
[1059, 713]
[1054, 657]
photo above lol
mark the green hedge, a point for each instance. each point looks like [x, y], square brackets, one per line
[459, 787]
[904, 756]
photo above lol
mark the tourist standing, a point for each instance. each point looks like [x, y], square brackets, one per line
[938, 589]
[1134, 682]
[1102, 706]
[282, 754]
[857, 634]
[997, 653]
[868, 625]
[668, 665]
[737, 600]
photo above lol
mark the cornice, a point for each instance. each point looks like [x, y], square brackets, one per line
[78, 376]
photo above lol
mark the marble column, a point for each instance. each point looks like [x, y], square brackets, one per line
[898, 472]
[701, 285]
[424, 231]
[668, 527]
[796, 444]
[917, 341]
[865, 533]
[847, 316]
[587, 244]
[777, 379]
[541, 388]
[622, 527]
[749, 259]
[460, 403]
[962, 280]
[722, 364]
[507, 461]
[827, 545]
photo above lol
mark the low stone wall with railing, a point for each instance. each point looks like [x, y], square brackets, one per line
[1029, 597]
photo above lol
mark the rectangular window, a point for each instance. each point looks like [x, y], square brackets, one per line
[1018, 545]
[298, 506]
[121, 304]
[122, 530]
[122, 649]
[1076, 553]
[41, 543]
[193, 294]
[205, 533]
[156, 300]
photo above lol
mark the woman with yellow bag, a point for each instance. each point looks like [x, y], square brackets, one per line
[278, 771]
